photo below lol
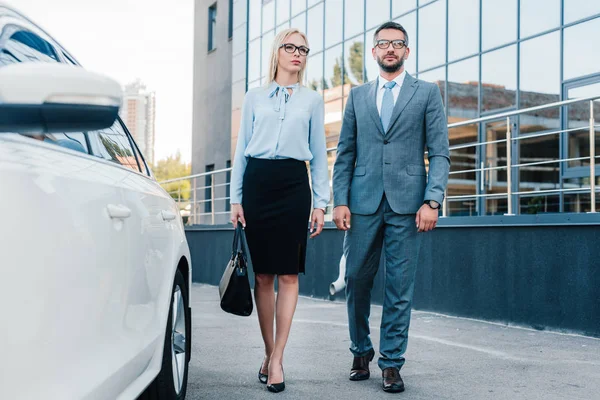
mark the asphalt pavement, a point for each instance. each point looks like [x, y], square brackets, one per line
[447, 357]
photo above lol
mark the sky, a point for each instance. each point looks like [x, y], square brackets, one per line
[127, 39]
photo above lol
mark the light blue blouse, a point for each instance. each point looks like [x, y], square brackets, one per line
[276, 125]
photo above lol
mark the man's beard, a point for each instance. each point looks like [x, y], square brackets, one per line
[390, 68]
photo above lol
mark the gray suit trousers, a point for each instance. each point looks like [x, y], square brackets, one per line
[363, 243]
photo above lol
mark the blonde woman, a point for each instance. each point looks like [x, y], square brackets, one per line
[281, 128]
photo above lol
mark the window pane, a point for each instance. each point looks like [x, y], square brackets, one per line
[463, 28]
[314, 30]
[409, 22]
[378, 12]
[464, 159]
[333, 27]
[494, 180]
[354, 52]
[432, 35]
[298, 6]
[268, 21]
[74, 141]
[533, 21]
[283, 26]
[239, 40]
[499, 22]
[354, 18]
[437, 76]
[113, 145]
[463, 90]
[372, 69]
[299, 22]
[578, 42]
[540, 70]
[333, 71]
[254, 60]
[267, 43]
[283, 11]
[314, 72]
[499, 78]
[578, 116]
[254, 20]
[402, 6]
[539, 203]
[578, 9]
[579, 201]
[536, 176]
[239, 13]
[238, 67]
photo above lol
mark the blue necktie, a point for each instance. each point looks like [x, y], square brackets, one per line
[387, 106]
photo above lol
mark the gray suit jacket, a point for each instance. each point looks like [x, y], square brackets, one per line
[371, 162]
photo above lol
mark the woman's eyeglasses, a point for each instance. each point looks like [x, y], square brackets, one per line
[384, 44]
[291, 48]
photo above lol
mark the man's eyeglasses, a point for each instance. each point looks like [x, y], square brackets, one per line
[291, 48]
[384, 44]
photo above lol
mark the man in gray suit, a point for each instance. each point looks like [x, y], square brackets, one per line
[380, 182]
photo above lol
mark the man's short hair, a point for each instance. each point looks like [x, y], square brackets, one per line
[390, 25]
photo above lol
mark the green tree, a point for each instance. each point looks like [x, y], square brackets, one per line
[355, 59]
[336, 79]
[173, 167]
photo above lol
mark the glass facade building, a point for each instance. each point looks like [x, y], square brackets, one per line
[487, 57]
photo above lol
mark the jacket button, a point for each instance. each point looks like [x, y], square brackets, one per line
[385, 142]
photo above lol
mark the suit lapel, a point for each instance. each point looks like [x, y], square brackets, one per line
[371, 102]
[409, 87]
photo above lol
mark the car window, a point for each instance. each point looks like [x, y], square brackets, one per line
[112, 144]
[25, 46]
[74, 141]
[139, 157]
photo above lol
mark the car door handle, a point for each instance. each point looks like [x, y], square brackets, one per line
[168, 215]
[118, 212]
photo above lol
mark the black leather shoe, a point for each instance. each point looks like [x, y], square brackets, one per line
[392, 382]
[277, 387]
[263, 378]
[360, 367]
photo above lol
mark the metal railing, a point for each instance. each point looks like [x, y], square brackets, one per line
[215, 198]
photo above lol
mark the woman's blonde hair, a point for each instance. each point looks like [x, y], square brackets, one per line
[274, 59]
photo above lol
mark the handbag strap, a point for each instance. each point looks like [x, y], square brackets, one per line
[239, 239]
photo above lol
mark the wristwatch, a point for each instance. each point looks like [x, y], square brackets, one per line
[321, 208]
[432, 204]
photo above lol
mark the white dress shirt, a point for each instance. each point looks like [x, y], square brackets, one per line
[395, 90]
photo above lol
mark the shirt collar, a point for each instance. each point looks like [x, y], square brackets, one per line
[399, 79]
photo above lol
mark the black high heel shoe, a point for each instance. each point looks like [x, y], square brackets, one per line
[277, 387]
[263, 378]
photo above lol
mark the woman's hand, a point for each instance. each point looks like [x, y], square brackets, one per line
[318, 220]
[237, 214]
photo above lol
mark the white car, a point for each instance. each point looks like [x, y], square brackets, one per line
[95, 269]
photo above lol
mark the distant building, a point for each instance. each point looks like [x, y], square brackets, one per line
[138, 113]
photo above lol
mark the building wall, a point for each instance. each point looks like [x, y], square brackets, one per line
[498, 273]
[138, 113]
[487, 56]
[211, 138]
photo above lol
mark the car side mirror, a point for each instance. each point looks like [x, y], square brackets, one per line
[37, 98]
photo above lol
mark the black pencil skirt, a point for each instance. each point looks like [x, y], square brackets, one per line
[276, 198]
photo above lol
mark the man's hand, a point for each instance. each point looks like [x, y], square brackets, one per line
[426, 219]
[341, 217]
[318, 220]
[237, 213]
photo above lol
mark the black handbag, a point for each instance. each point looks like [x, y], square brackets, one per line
[234, 288]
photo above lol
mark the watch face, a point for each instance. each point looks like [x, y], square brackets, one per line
[434, 204]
